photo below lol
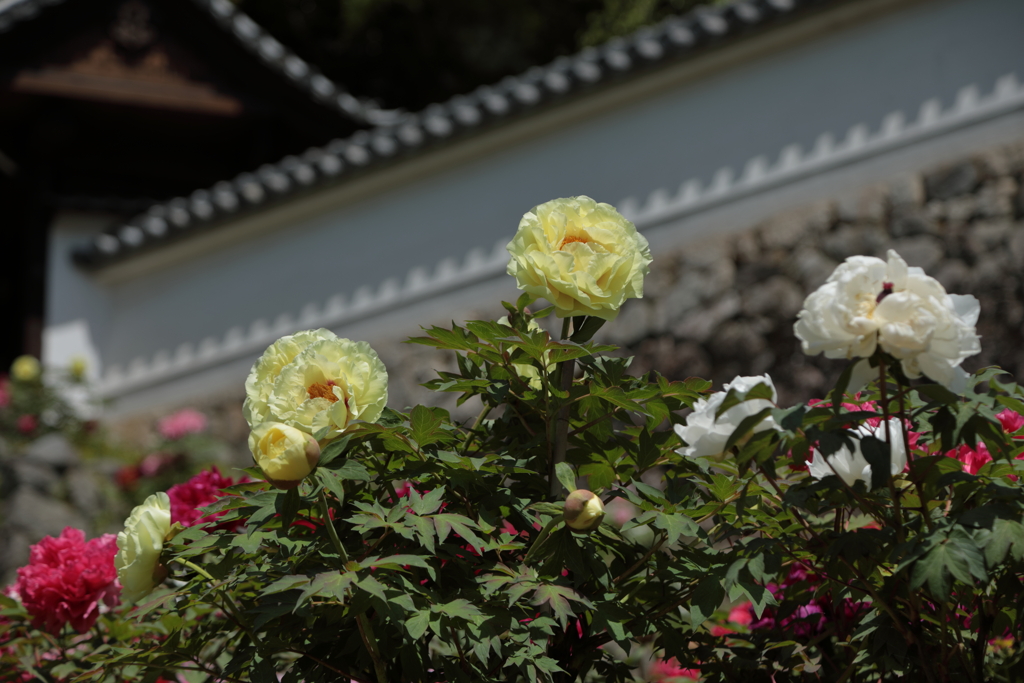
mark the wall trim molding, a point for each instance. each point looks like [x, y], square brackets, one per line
[662, 205]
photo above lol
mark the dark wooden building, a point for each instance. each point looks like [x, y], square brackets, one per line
[113, 105]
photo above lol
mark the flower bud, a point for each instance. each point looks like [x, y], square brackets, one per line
[285, 454]
[25, 369]
[77, 368]
[583, 510]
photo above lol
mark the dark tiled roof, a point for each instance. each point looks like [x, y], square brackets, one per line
[676, 37]
[254, 39]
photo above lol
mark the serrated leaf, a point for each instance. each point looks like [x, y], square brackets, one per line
[707, 598]
[332, 482]
[352, 470]
[746, 426]
[425, 425]
[1005, 534]
[372, 586]
[417, 624]
[399, 562]
[333, 450]
[675, 525]
[953, 557]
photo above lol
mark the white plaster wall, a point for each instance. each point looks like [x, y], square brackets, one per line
[308, 271]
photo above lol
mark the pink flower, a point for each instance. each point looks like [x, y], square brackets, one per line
[27, 424]
[182, 423]
[199, 491]
[158, 463]
[66, 579]
[742, 614]
[1011, 421]
[972, 459]
[669, 671]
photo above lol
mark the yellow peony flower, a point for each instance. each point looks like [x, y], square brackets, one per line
[139, 546]
[25, 369]
[260, 383]
[285, 454]
[315, 380]
[582, 256]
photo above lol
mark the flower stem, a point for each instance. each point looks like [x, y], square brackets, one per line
[362, 621]
[227, 604]
[562, 422]
[898, 513]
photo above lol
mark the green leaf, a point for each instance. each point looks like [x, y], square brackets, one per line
[287, 505]
[390, 418]
[425, 424]
[417, 624]
[675, 525]
[746, 425]
[953, 557]
[372, 586]
[332, 482]
[841, 384]
[1005, 534]
[587, 330]
[460, 608]
[333, 584]
[879, 456]
[333, 450]
[399, 562]
[722, 486]
[707, 598]
[790, 419]
[456, 339]
[557, 597]
[938, 393]
[351, 469]
[566, 476]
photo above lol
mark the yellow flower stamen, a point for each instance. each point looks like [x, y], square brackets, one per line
[570, 239]
[322, 390]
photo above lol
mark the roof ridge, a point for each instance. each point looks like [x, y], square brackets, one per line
[410, 132]
[257, 41]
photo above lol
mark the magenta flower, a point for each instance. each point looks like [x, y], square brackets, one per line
[200, 491]
[66, 579]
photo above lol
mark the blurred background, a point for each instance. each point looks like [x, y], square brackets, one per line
[185, 181]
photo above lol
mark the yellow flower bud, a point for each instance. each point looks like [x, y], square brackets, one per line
[25, 369]
[77, 368]
[583, 510]
[285, 454]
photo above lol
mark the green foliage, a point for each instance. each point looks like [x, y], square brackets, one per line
[423, 549]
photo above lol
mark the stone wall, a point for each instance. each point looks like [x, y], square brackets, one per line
[47, 486]
[727, 306]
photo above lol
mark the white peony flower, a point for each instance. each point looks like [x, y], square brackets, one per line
[868, 302]
[851, 466]
[705, 435]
